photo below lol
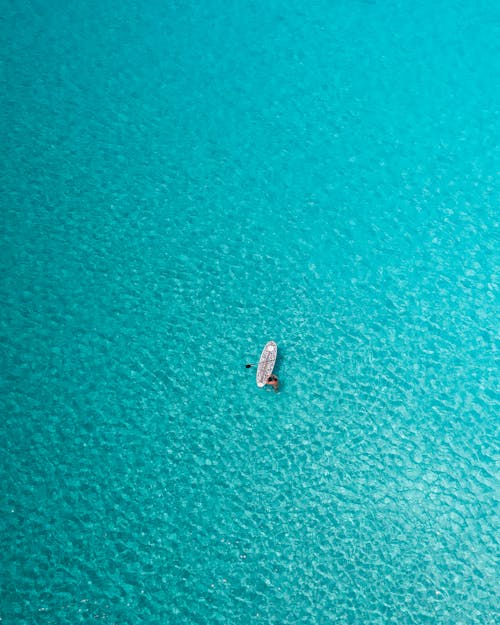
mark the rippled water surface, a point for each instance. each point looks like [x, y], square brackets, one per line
[182, 182]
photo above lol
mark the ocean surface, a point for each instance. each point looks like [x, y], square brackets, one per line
[182, 182]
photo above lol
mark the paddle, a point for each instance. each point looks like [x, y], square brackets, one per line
[255, 364]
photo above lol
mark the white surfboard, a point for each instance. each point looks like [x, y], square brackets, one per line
[266, 363]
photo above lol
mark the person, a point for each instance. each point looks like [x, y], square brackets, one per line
[273, 381]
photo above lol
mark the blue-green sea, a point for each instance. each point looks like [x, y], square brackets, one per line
[183, 181]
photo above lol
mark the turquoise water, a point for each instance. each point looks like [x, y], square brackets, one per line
[182, 182]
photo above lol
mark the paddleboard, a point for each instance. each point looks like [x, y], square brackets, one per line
[266, 363]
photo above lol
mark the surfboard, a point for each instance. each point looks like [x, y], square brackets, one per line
[266, 362]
